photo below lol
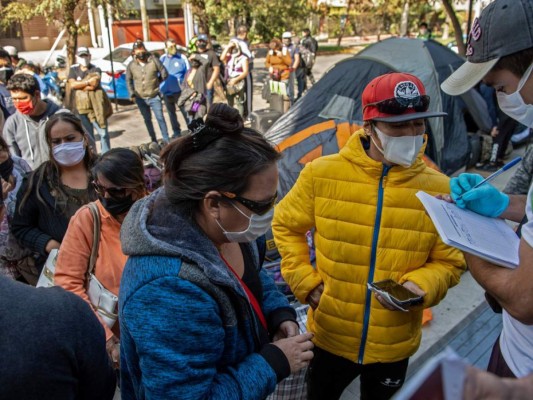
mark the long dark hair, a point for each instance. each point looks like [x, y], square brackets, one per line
[51, 170]
[225, 164]
[121, 167]
[3, 145]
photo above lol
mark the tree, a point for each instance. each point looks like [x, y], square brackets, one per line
[199, 11]
[61, 13]
[456, 26]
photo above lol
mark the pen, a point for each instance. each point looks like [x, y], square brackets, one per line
[507, 166]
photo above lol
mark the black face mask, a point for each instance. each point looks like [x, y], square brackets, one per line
[202, 45]
[142, 56]
[5, 74]
[117, 207]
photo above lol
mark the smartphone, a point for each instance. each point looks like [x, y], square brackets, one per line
[398, 293]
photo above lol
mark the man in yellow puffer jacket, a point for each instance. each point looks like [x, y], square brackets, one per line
[368, 226]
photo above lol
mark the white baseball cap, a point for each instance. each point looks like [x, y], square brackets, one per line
[11, 50]
[286, 35]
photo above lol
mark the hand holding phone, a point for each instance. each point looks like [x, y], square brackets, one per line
[396, 296]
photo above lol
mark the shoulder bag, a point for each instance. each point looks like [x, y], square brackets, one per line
[102, 300]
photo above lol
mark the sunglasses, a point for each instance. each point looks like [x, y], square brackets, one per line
[397, 106]
[257, 207]
[117, 193]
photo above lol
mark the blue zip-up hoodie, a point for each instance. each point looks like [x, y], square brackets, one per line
[187, 329]
[177, 66]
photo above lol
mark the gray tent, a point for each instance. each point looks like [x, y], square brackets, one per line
[337, 96]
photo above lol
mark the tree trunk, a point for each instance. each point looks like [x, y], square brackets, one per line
[231, 27]
[349, 6]
[404, 24]
[456, 26]
[341, 33]
[71, 31]
[198, 10]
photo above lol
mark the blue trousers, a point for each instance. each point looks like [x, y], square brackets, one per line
[170, 103]
[155, 104]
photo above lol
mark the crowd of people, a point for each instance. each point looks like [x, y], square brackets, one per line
[160, 292]
[189, 82]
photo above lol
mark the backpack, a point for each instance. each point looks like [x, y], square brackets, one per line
[315, 44]
[307, 58]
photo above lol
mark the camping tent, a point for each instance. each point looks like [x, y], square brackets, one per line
[321, 121]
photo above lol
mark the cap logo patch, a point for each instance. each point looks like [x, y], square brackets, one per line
[475, 33]
[405, 91]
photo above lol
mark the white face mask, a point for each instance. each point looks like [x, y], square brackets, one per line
[69, 154]
[401, 150]
[83, 61]
[513, 104]
[259, 225]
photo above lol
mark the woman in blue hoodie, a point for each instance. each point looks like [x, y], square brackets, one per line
[199, 319]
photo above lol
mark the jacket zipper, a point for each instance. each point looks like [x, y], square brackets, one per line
[375, 236]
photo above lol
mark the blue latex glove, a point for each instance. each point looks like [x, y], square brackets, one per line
[485, 200]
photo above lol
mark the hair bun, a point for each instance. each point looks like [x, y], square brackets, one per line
[224, 118]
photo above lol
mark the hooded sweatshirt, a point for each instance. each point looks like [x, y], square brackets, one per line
[26, 137]
[187, 328]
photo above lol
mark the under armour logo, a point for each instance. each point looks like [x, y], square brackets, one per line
[391, 383]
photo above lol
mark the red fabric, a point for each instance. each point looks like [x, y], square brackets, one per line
[251, 298]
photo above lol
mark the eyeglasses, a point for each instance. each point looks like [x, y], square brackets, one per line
[397, 106]
[117, 193]
[257, 207]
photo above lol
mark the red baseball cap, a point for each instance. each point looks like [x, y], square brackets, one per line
[396, 97]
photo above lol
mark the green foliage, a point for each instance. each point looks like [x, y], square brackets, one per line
[58, 12]
[265, 18]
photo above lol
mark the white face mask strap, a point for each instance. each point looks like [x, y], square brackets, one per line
[524, 78]
[237, 208]
[378, 132]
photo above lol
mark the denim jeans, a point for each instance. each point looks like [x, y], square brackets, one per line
[105, 142]
[290, 87]
[209, 94]
[155, 104]
[170, 103]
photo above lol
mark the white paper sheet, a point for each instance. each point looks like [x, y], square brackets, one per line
[488, 238]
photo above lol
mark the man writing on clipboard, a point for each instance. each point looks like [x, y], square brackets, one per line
[500, 52]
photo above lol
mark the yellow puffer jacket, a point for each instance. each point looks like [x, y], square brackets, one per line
[369, 227]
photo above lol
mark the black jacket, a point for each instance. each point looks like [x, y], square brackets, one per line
[37, 223]
[52, 346]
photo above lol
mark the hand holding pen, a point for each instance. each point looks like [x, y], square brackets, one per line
[472, 192]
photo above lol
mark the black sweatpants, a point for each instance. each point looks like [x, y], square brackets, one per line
[328, 375]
